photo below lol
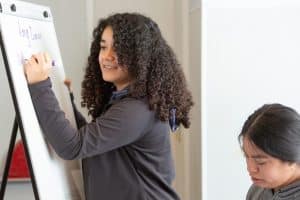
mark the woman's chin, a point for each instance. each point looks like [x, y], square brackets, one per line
[259, 182]
[107, 78]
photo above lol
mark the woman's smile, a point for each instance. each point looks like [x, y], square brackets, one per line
[110, 66]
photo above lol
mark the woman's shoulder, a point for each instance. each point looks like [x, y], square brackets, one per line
[290, 191]
[129, 106]
[138, 103]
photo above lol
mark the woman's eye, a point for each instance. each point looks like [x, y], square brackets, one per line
[260, 162]
[102, 47]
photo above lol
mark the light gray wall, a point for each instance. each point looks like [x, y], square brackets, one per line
[162, 12]
[195, 85]
[194, 4]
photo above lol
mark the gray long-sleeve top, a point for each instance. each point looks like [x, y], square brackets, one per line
[289, 192]
[125, 152]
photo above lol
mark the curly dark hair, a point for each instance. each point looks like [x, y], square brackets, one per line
[151, 62]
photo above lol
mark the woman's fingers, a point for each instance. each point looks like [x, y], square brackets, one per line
[37, 68]
[39, 58]
[43, 58]
[47, 57]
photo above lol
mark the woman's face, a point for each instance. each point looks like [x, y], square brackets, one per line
[108, 60]
[267, 171]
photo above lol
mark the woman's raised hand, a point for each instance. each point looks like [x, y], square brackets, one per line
[37, 67]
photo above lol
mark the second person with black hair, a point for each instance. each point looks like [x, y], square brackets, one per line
[270, 139]
[134, 90]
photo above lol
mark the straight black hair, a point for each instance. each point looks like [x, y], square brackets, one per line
[275, 129]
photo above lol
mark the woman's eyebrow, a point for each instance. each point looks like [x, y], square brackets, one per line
[259, 156]
[255, 155]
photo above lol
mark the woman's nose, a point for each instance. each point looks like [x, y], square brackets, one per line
[109, 55]
[251, 166]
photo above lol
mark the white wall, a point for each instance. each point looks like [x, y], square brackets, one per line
[250, 56]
